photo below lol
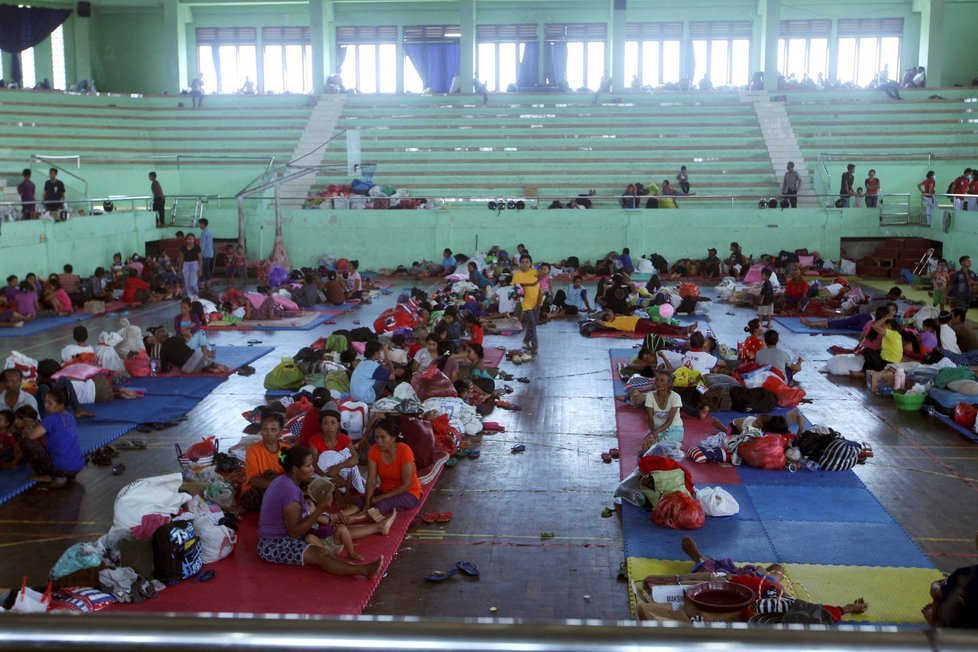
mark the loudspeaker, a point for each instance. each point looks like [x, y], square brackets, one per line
[620, 5]
[84, 9]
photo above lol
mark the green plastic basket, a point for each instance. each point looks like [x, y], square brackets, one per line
[909, 402]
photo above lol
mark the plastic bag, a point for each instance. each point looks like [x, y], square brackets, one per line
[216, 541]
[432, 383]
[679, 511]
[763, 452]
[157, 495]
[78, 556]
[964, 415]
[787, 396]
[717, 501]
[30, 601]
[285, 375]
[27, 366]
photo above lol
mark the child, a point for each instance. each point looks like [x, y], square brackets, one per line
[26, 301]
[940, 278]
[574, 300]
[425, 355]
[765, 301]
[79, 346]
[860, 199]
[10, 292]
[474, 328]
[505, 296]
[56, 298]
[333, 532]
[778, 358]
[9, 318]
[753, 343]
[683, 179]
[118, 269]
[10, 454]
[25, 418]
[929, 336]
[354, 283]
[448, 264]
[237, 264]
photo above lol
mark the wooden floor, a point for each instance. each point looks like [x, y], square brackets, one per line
[923, 473]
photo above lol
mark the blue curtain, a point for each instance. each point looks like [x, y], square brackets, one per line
[436, 63]
[24, 27]
[527, 77]
[555, 62]
[341, 57]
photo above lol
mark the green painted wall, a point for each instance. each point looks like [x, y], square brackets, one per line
[960, 61]
[128, 50]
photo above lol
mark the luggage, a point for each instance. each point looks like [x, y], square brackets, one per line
[176, 551]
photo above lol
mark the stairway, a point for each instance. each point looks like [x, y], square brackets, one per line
[782, 145]
[320, 128]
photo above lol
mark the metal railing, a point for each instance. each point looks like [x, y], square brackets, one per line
[12, 211]
[51, 160]
[240, 632]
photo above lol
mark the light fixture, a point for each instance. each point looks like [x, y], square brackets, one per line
[511, 205]
[520, 205]
[492, 205]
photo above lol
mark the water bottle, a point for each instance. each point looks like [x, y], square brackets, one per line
[153, 367]
[813, 465]
[899, 379]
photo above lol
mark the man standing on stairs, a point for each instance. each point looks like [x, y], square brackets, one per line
[790, 185]
[846, 191]
[159, 200]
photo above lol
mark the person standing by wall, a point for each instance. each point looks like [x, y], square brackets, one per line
[927, 188]
[790, 185]
[54, 192]
[159, 199]
[197, 91]
[846, 191]
[26, 191]
[872, 185]
[206, 251]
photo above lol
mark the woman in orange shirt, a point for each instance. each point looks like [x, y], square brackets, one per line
[262, 463]
[392, 476]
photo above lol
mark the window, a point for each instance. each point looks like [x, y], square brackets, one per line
[803, 48]
[425, 34]
[27, 68]
[227, 57]
[58, 59]
[369, 63]
[287, 60]
[867, 47]
[652, 52]
[586, 44]
[499, 52]
[721, 50]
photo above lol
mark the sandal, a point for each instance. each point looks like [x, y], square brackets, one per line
[441, 576]
[451, 462]
[429, 518]
[475, 454]
[443, 517]
[518, 448]
[468, 568]
[615, 453]
[118, 469]
[606, 458]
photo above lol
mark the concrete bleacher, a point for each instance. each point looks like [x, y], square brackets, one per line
[556, 146]
[109, 131]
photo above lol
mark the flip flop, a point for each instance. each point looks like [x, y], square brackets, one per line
[441, 576]
[206, 576]
[118, 469]
[451, 462]
[443, 517]
[606, 458]
[476, 454]
[431, 517]
[463, 452]
[254, 341]
[468, 568]
[615, 453]
[518, 448]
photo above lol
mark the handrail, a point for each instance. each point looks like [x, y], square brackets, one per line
[909, 156]
[239, 632]
[50, 160]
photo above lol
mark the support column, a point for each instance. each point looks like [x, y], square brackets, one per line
[772, 30]
[932, 40]
[466, 62]
[178, 75]
[322, 28]
[80, 65]
[833, 73]
[618, 24]
[541, 46]
[399, 60]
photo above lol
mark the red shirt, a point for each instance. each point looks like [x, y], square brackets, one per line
[478, 333]
[132, 286]
[342, 443]
[796, 289]
[872, 185]
[751, 347]
[929, 186]
[960, 186]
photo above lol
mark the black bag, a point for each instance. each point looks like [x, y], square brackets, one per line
[176, 551]
[755, 399]
[307, 359]
[573, 261]
[361, 334]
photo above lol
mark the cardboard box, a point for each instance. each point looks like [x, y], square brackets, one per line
[94, 307]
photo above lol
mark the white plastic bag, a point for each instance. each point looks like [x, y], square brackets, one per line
[29, 601]
[216, 541]
[26, 365]
[157, 495]
[717, 501]
[841, 365]
[847, 267]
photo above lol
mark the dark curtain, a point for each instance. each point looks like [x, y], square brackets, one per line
[555, 62]
[24, 27]
[527, 77]
[436, 63]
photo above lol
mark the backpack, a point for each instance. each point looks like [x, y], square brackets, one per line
[755, 399]
[176, 551]
[353, 418]
[308, 360]
[285, 375]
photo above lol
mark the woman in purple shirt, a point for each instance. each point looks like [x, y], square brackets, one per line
[285, 520]
[52, 447]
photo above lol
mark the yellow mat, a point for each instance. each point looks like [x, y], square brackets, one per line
[895, 595]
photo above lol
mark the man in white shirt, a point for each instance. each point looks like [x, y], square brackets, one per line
[13, 396]
[696, 358]
[949, 339]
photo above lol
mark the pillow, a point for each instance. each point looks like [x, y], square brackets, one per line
[80, 599]
[78, 371]
[806, 261]
[286, 304]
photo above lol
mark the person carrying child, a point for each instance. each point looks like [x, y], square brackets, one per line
[52, 447]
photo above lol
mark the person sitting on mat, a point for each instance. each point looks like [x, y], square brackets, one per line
[392, 475]
[51, 447]
[332, 531]
[696, 358]
[337, 455]
[954, 600]
[768, 584]
[262, 462]
[285, 520]
[173, 352]
[97, 389]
